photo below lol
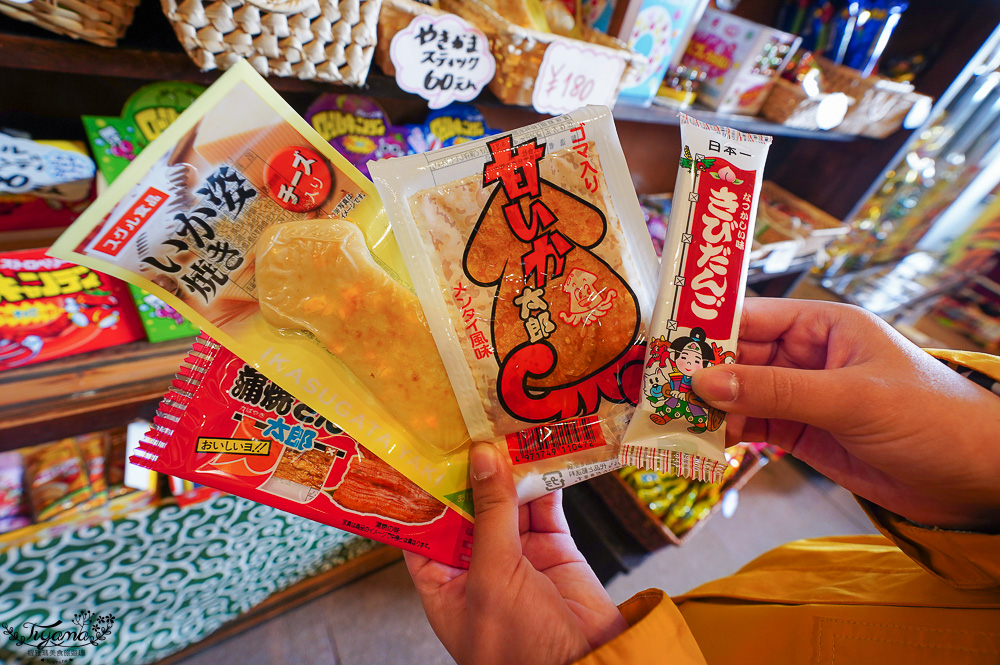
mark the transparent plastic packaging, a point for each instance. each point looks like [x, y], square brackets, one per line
[246, 221]
[531, 260]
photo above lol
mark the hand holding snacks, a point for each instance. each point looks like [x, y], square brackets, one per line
[845, 393]
[529, 596]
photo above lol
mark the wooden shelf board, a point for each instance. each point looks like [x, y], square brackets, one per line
[150, 51]
[74, 395]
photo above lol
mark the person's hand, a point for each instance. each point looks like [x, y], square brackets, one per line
[845, 393]
[528, 596]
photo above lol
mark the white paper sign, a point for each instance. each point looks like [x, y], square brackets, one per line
[572, 76]
[443, 59]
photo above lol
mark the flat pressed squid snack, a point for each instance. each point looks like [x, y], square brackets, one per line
[530, 257]
[318, 276]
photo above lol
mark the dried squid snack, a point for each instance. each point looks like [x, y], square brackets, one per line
[185, 221]
[319, 276]
[530, 257]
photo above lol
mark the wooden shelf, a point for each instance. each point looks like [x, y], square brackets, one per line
[86, 392]
[663, 115]
[150, 51]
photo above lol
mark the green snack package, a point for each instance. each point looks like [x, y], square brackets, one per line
[161, 321]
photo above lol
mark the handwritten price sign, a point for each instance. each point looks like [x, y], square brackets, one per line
[572, 76]
[443, 59]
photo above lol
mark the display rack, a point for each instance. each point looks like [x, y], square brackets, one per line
[85, 393]
[150, 51]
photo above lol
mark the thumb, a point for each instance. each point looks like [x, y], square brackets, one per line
[817, 397]
[496, 543]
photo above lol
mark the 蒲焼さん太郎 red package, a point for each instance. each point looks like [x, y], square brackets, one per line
[242, 218]
[696, 321]
[227, 426]
[532, 262]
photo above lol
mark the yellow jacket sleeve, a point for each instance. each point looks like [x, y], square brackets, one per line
[657, 633]
[964, 560]
[820, 598]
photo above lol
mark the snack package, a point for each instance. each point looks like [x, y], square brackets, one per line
[454, 124]
[115, 141]
[161, 321]
[358, 128]
[56, 479]
[227, 426]
[91, 447]
[14, 511]
[536, 274]
[44, 207]
[50, 308]
[697, 317]
[237, 216]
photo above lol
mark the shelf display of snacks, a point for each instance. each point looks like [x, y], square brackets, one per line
[50, 308]
[518, 40]
[660, 509]
[741, 59]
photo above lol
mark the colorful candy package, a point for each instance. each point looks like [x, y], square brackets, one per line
[358, 128]
[50, 308]
[225, 425]
[534, 269]
[697, 317]
[255, 229]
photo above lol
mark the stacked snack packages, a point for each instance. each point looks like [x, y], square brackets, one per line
[697, 316]
[532, 263]
[258, 231]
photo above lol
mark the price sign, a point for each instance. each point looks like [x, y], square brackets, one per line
[443, 59]
[29, 166]
[572, 76]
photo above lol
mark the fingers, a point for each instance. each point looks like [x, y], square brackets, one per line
[546, 514]
[815, 397]
[496, 542]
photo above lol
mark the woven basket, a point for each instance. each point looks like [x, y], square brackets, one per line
[102, 22]
[788, 104]
[308, 39]
[518, 51]
[880, 104]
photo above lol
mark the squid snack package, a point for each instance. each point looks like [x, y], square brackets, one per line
[242, 218]
[532, 262]
[696, 321]
[225, 425]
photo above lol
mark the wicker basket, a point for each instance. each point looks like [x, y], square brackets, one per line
[102, 22]
[788, 104]
[880, 104]
[308, 39]
[518, 51]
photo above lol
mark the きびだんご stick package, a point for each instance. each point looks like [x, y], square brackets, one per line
[241, 217]
[536, 274]
[225, 425]
[696, 321]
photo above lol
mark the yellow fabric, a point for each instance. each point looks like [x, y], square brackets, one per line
[915, 595]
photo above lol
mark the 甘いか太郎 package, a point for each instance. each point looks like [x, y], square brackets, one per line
[536, 274]
[246, 221]
[696, 322]
[227, 426]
